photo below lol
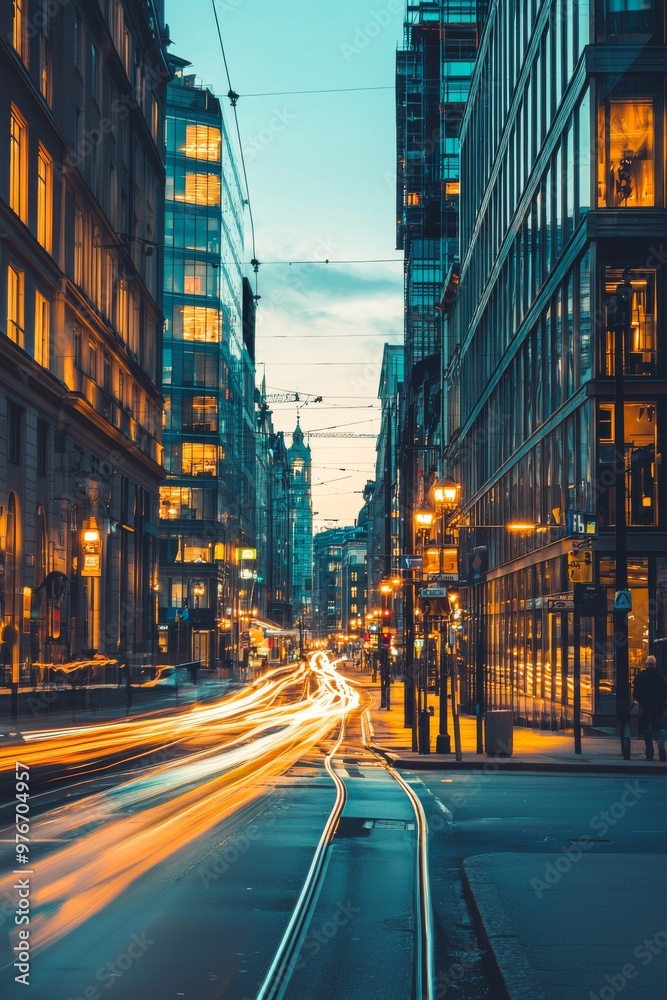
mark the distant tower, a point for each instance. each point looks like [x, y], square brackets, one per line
[302, 525]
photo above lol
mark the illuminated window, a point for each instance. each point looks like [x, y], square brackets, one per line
[19, 26]
[639, 337]
[202, 142]
[42, 330]
[202, 324]
[626, 153]
[44, 198]
[18, 165]
[641, 482]
[174, 502]
[201, 189]
[200, 414]
[199, 459]
[452, 188]
[196, 553]
[45, 68]
[413, 198]
[15, 306]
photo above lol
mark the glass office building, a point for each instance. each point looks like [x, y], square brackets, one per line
[563, 201]
[207, 501]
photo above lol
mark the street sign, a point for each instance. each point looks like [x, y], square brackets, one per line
[580, 566]
[555, 604]
[590, 599]
[623, 600]
[433, 592]
[578, 522]
[411, 562]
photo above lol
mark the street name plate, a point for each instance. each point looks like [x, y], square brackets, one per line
[433, 592]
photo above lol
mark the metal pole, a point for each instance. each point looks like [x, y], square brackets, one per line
[576, 638]
[443, 742]
[456, 722]
[620, 616]
[479, 677]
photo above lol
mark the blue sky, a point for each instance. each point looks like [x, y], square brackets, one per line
[321, 174]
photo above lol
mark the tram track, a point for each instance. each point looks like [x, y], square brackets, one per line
[276, 982]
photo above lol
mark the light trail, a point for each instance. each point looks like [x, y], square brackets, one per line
[123, 832]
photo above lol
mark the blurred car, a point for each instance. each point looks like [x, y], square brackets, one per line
[169, 677]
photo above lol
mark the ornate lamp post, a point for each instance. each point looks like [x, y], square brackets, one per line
[446, 495]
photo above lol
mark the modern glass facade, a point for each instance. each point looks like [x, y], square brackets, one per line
[563, 204]
[207, 502]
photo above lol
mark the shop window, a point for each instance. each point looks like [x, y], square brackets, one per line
[630, 300]
[640, 463]
[626, 153]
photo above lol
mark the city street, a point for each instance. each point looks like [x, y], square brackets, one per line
[179, 875]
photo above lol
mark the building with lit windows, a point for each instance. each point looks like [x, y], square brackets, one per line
[563, 216]
[81, 195]
[208, 565]
[301, 510]
[339, 579]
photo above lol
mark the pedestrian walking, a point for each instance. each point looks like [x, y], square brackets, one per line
[650, 693]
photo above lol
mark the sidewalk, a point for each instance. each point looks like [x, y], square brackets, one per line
[533, 749]
[577, 925]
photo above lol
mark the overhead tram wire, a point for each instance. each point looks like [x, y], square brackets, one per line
[233, 98]
[333, 90]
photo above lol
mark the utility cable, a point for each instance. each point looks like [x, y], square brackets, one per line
[233, 98]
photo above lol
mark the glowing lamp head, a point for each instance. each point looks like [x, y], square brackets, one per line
[446, 492]
[424, 518]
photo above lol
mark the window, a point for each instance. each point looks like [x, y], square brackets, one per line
[15, 305]
[76, 38]
[640, 332]
[202, 142]
[626, 20]
[18, 166]
[200, 189]
[201, 323]
[200, 414]
[14, 433]
[44, 198]
[45, 86]
[19, 29]
[626, 153]
[92, 360]
[199, 459]
[42, 330]
[94, 71]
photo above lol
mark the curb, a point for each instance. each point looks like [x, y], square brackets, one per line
[499, 934]
[439, 763]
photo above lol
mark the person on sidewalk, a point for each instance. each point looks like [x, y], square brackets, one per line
[650, 693]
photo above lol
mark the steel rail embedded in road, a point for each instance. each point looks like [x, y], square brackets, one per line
[282, 966]
[424, 969]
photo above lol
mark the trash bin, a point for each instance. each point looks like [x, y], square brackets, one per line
[425, 731]
[498, 726]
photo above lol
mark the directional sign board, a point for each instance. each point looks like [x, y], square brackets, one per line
[411, 562]
[555, 604]
[623, 600]
[433, 592]
[579, 522]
